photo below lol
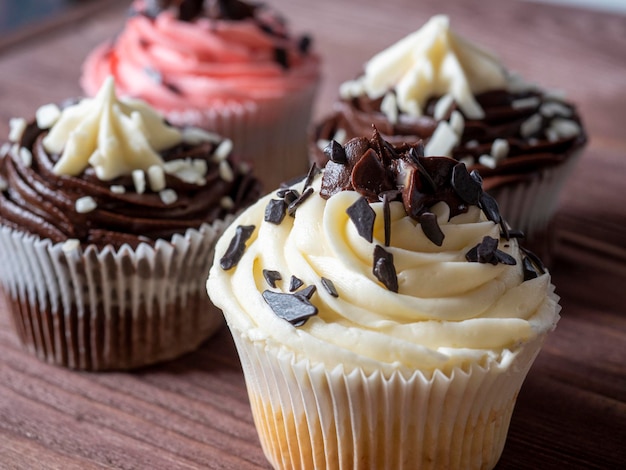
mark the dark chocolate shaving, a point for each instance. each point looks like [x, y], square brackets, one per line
[236, 247]
[291, 209]
[487, 252]
[387, 218]
[530, 272]
[431, 228]
[304, 44]
[313, 170]
[362, 216]
[476, 177]
[335, 152]
[329, 286]
[291, 195]
[275, 211]
[490, 207]
[424, 175]
[271, 277]
[295, 283]
[307, 291]
[294, 308]
[280, 56]
[384, 269]
[515, 234]
[535, 259]
[465, 186]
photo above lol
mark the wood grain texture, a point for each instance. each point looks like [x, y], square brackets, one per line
[193, 412]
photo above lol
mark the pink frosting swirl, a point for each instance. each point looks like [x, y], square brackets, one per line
[174, 64]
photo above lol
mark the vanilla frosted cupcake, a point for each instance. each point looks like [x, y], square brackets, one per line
[229, 67]
[435, 86]
[108, 219]
[384, 313]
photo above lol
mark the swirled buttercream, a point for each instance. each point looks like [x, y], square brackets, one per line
[449, 310]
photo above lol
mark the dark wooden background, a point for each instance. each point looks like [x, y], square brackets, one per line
[193, 412]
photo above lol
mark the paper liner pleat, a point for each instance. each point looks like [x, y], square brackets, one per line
[271, 135]
[311, 417]
[110, 309]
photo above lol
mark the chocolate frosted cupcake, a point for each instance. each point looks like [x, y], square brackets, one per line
[227, 66]
[108, 218]
[460, 101]
[384, 314]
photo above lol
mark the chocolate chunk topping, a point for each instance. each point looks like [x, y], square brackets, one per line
[236, 247]
[362, 216]
[304, 44]
[280, 56]
[465, 186]
[294, 308]
[330, 287]
[431, 228]
[384, 269]
[271, 277]
[308, 291]
[487, 252]
[476, 177]
[295, 284]
[291, 209]
[275, 211]
[335, 152]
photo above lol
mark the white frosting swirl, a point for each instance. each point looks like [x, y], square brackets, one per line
[114, 136]
[432, 62]
[448, 311]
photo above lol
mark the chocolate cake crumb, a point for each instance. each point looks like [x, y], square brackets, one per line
[294, 308]
[295, 283]
[236, 247]
[271, 277]
[329, 286]
[275, 211]
[384, 269]
[431, 228]
[362, 216]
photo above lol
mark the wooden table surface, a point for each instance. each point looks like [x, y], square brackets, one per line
[193, 412]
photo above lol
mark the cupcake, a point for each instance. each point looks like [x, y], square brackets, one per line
[108, 219]
[384, 313]
[229, 67]
[435, 86]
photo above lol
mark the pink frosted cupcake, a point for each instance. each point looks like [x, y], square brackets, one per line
[229, 67]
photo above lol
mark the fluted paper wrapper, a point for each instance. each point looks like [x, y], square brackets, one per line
[530, 204]
[271, 135]
[311, 417]
[104, 309]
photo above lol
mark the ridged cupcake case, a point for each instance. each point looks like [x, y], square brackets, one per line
[102, 309]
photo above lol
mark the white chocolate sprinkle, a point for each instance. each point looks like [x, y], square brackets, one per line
[244, 167]
[168, 196]
[351, 88]
[85, 204]
[156, 178]
[553, 108]
[223, 150]
[195, 136]
[472, 144]
[5, 149]
[226, 172]
[443, 106]
[186, 171]
[457, 122]
[488, 161]
[552, 135]
[565, 128]
[47, 115]
[389, 107]
[322, 143]
[340, 136]
[442, 141]
[555, 95]
[70, 244]
[26, 156]
[139, 180]
[499, 149]
[525, 103]
[227, 203]
[3, 184]
[200, 166]
[531, 126]
[17, 126]
[117, 189]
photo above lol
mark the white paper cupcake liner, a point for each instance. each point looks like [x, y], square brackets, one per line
[309, 416]
[271, 135]
[104, 309]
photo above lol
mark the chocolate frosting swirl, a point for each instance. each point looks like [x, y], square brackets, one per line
[42, 203]
[503, 120]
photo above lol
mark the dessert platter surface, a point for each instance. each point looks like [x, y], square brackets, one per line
[193, 412]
